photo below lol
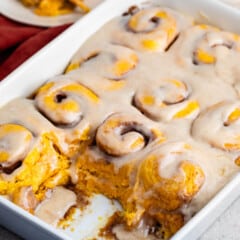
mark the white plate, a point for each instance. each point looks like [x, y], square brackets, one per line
[14, 10]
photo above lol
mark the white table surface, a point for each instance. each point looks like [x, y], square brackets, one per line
[226, 227]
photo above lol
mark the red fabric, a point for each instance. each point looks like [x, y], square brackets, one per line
[18, 42]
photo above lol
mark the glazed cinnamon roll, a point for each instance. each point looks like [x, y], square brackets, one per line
[69, 105]
[113, 62]
[166, 100]
[219, 126]
[150, 29]
[123, 133]
[172, 176]
[207, 45]
[62, 101]
[166, 178]
[213, 45]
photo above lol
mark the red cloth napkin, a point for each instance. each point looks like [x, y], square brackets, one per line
[19, 41]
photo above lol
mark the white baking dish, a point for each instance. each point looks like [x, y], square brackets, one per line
[52, 60]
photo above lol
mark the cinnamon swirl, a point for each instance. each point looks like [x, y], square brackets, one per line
[113, 63]
[166, 100]
[122, 134]
[207, 49]
[219, 126]
[150, 29]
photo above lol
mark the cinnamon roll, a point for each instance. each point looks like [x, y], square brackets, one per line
[167, 178]
[150, 29]
[166, 100]
[62, 101]
[113, 62]
[207, 45]
[69, 105]
[122, 134]
[214, 43]
[170, 174]
[219, 126]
